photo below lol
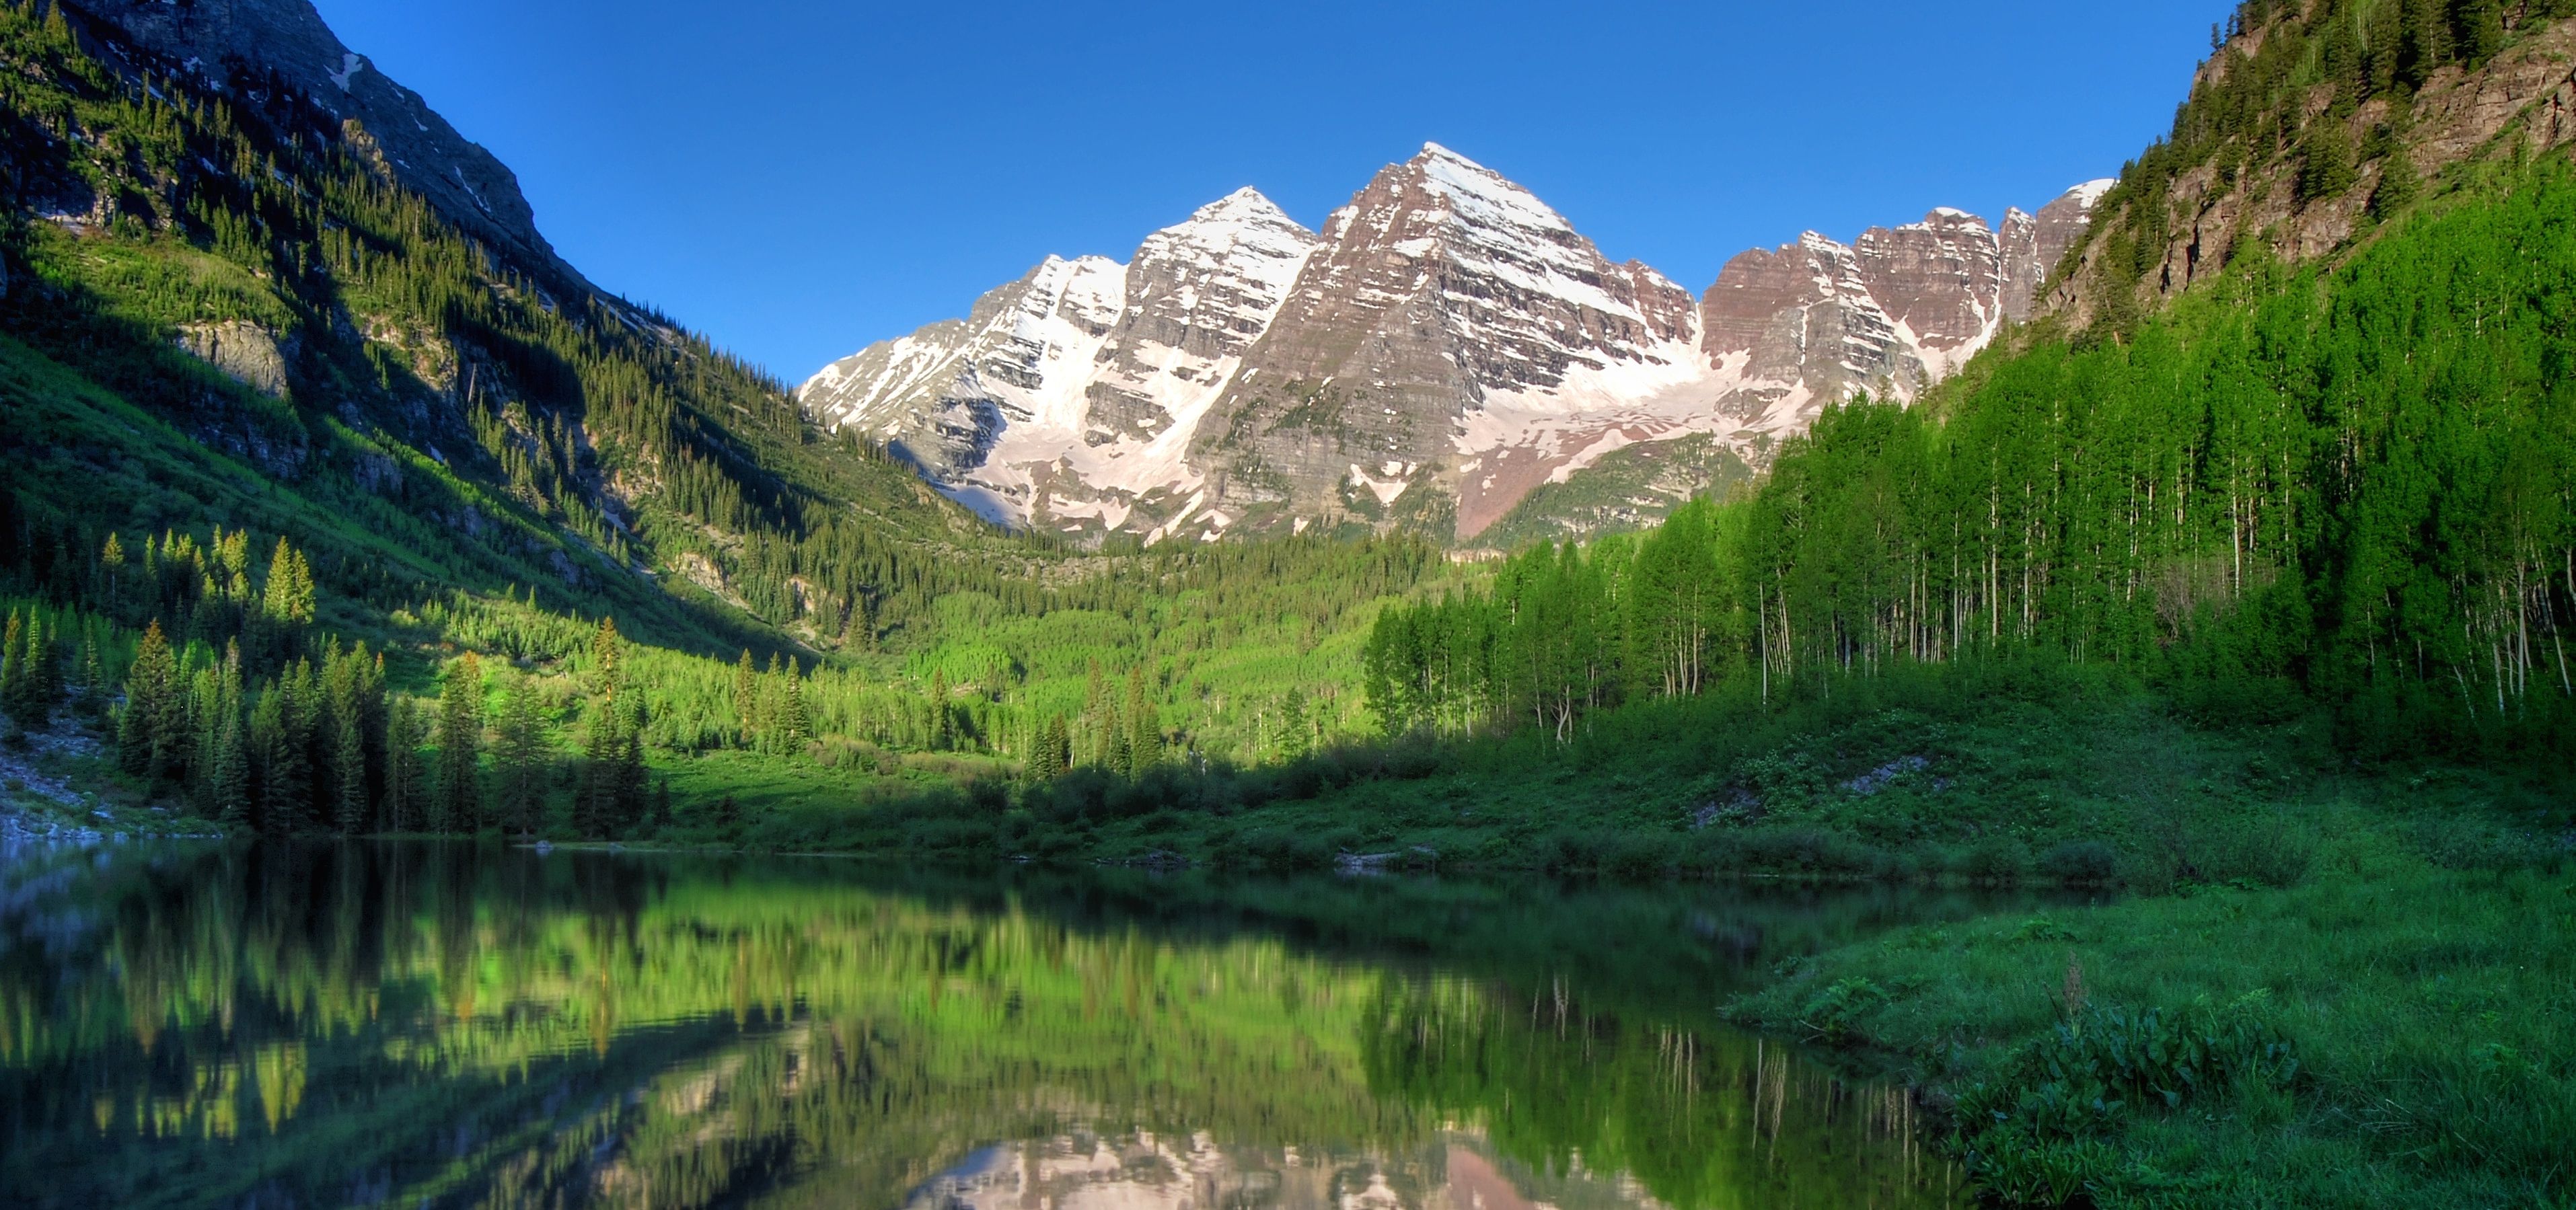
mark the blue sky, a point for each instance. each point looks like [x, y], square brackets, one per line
[799, 177]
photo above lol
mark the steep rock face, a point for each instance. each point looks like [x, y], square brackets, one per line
[1072, 395]
[1785, 328]
[1786, 331]
[2177, 219]
[1448, 346]
[2033, 244]
[412, 143]
[1444, 295]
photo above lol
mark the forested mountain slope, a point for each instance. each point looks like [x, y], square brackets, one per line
[262, 394]
[2311, 122]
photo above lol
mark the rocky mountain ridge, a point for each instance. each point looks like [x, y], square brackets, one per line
[2311, 125]
[235, 44]
[1445, 346]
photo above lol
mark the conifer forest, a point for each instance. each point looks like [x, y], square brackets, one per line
[2135, 770]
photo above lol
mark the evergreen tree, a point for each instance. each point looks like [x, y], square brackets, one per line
[1054, 756]
[43, 670]
[631, 798]
[1292, 740]
[404, 733]
[351, 696]
[2477, 30]
[2398, 185]
[228, 795]
[92, 693]
[457, 803]
[2326, 170]
[943, 720]
[1145, 731]
[152, 728]
[283, 729]
[612, 797]
[746, 702]
[519, 756]
[604, 656]
[13, 671]
[111, 568]
[794, 727]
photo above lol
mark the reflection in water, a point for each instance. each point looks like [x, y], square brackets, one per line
[408, 1025]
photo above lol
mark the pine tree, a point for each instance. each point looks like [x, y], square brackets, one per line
[458, 802]
[1054, 755]
[2326, 170]
[39, 682]
[661, 816]
[111, 569]
[13, 669]
[283, 728]
[1145, 730]
[348, 694]
[150, 732]
[228, 765]
[2398, 185]
[92, 694]
[594, 805]
[794, 729]
[746, 701]
[2477, 30]
[729, 819]
[943, 720]
[604, 656]
[1293, 740]
[404, 729]
[285, 606]
[630, 797]
[519, 758]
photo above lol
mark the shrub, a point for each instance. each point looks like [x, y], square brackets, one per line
[1278, 850]
[1833, 1015]
[2081, 863]
[1998, 860]
[2036, 1133]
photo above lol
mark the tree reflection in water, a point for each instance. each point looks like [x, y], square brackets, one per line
[448, 1025]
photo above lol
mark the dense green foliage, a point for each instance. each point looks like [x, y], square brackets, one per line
[2347, 484]
[2395, 1031]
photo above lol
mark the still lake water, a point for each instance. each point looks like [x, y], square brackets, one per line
[410, 1025]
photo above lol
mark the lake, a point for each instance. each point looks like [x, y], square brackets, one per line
[326, 1025]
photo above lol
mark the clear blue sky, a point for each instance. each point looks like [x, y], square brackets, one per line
[800, 177]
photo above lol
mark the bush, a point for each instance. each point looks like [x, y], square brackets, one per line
[2081, 863]
[2099, 1068]
[1278, 850]
[1998, 860]
[1568, 851]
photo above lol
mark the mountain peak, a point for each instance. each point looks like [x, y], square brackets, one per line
[1444, 347]
[1244, 203]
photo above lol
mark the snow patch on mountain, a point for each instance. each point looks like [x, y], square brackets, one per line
[1078, 389]
[1447, 333]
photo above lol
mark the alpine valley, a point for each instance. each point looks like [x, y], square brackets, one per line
[1407, 714]
[1445, 348]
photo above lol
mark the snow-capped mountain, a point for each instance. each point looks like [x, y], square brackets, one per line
[1445, 347]
[1074, 392]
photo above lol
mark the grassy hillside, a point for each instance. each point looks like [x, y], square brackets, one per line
[223, 327]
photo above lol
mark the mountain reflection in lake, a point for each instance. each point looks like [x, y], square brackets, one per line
[446, 1025]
